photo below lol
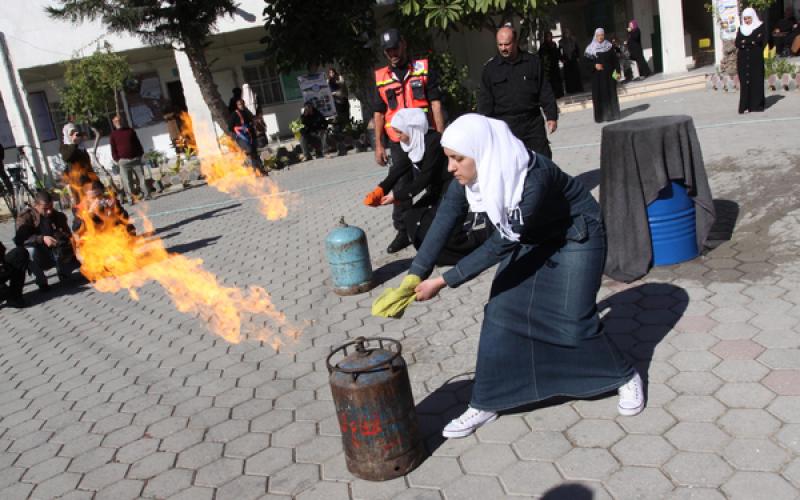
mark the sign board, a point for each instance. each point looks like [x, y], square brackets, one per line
[728, 12]
[315, 90]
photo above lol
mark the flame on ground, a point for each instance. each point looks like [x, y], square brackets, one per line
[229, 173]
[113, 258]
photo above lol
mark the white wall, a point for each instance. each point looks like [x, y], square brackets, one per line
[36, 40]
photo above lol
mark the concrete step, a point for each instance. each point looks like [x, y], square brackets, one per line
[638, 90]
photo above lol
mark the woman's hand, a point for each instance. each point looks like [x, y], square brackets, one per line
[388, 199]
[429, 288]
[598, 67]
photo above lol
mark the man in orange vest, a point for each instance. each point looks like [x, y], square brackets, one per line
[403, 83]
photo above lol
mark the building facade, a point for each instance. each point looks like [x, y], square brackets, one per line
[677, 35]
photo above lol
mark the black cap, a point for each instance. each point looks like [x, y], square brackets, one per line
[390, 39]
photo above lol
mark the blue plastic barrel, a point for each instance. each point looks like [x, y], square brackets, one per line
[672, 226]
[348, 255]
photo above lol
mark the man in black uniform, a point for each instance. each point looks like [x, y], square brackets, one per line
[513, 89]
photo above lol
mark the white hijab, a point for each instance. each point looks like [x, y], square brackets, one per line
[747, 29]
[414, 123]
[502, 163]
[596, 47]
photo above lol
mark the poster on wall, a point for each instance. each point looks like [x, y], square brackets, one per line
[315, 90]
[728, 12]
[144, 100]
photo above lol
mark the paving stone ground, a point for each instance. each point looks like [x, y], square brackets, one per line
[102, 396]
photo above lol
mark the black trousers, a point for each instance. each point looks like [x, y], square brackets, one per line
[531, 131]
[13, 273]
[400, 161]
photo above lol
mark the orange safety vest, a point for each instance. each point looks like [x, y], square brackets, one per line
[410, 93]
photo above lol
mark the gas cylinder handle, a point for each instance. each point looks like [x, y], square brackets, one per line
[342, 223]
[360, 347]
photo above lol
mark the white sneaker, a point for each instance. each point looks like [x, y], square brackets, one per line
[631, 397]
[468, 422]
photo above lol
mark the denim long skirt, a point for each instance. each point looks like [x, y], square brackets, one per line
[541, 335]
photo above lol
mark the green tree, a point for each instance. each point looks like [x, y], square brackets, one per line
[304, 34]
[181, 24]
[93, 84]
[449, 15]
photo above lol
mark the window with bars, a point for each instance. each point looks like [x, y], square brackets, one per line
[265, 81]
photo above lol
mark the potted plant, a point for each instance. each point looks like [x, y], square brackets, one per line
[296, 126]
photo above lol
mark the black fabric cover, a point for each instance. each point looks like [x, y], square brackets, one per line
[638, 159]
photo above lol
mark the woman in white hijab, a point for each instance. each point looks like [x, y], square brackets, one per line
[605, 74]
[430, 180]
[750, 41]
[541, 335]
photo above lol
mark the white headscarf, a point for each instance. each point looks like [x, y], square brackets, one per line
[502, 163]
[747, 29]
[596, 47]
[414, 123]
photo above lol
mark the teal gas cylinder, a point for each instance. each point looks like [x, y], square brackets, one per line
[348, 255]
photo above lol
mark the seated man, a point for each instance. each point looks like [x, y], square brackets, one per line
[12, 271]
[44, 232]
[242, 126]
[784, 33]
[314, 131]
[102, 208]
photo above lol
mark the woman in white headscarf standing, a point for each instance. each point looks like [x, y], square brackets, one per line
[541, 335]
[750, 41]
[605, 74]
[430, 181]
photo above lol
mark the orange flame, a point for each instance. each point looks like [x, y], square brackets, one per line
[114, 259]
[228, 173]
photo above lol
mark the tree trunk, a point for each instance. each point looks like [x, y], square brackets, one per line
[202, 73]
[727, 65]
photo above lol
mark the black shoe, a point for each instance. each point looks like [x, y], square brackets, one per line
[400, 242]
[45, 287]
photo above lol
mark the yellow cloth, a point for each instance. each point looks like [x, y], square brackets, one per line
[393, 302]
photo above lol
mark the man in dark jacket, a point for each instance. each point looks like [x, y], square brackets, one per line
[127, 151]
[12, 271]
[514, 89]
[45, 234]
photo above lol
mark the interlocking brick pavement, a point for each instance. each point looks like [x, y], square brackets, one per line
[102, 396]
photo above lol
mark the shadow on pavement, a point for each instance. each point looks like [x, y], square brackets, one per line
[199, 217]
[590, 179]
[193, 245]
[442, 405]
[568, 492]
[626, 112]
[389, 271]
[640, 317]
[772, 100]
[76, 285]
[727, 212]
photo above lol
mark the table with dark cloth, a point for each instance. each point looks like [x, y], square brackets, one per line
[638, 159]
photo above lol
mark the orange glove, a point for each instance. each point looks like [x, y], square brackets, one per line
[373, 198]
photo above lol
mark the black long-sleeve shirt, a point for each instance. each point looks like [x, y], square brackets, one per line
[432, 177]
[515, 88]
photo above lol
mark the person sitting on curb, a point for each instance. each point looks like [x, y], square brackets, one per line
[12, 271]
[102, 208]
[45, 234]
[314, 131]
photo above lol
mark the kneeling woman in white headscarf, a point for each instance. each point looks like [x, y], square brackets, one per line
[430, 180]
[541, 335]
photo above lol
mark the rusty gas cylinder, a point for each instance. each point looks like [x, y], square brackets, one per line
[375, 409]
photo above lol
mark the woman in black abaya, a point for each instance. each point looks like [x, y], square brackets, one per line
[750, 41]
[570, 55]
[635, 48]
[604, 77]
[550, 55]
